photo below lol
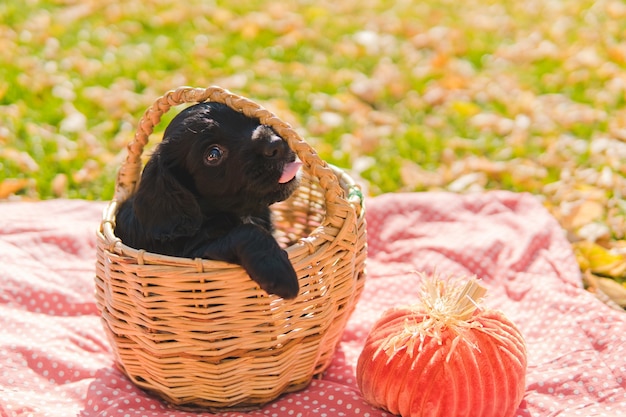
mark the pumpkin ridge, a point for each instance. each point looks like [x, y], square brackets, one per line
[423, 407]
[397, 383]
[450, 365]
[366, 369]
[464, 385]
[491, 388]
[509, 352]
[501, 406]
[477, 383]
[497, 320]
[422, 374]
[509, 336]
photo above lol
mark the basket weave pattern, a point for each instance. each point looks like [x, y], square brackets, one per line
[200, 332]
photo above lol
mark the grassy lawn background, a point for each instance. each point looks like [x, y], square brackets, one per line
[410, 95]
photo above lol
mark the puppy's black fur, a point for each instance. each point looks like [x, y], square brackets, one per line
[205, 193]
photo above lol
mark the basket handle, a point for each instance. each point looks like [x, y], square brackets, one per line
[130, 171]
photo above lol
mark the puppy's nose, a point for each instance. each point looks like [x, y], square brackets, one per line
[274, 148]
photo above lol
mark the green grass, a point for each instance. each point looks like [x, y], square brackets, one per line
[412, 87]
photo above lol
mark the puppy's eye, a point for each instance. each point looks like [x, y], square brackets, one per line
[214, 155]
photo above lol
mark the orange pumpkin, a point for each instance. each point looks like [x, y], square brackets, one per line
[444, 357]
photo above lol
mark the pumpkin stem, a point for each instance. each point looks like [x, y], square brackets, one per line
[469, 297]
[444, 306]
[448, 301]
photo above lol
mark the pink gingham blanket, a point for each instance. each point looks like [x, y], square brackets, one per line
[55, 359]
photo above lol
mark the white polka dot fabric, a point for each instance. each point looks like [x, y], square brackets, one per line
[55, 359]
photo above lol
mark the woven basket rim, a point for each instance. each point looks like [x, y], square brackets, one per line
[332, 179]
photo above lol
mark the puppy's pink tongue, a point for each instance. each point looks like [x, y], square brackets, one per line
[289, 171]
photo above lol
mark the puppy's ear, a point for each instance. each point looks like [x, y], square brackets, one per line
[166, 209]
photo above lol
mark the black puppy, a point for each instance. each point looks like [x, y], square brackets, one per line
[205, 193]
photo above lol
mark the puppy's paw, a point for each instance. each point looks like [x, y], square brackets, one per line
[256, 250]
[275, 274]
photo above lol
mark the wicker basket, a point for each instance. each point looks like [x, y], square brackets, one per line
[202, 333]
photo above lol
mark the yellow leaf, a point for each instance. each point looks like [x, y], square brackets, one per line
[599, 260]
[465, 108]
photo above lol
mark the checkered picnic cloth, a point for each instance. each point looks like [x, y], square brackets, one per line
[55, 359]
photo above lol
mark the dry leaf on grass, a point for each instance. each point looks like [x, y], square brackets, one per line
[10, 186]
[614, 290]
[606, 289]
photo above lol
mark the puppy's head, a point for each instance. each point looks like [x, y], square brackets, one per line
[229, 161]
